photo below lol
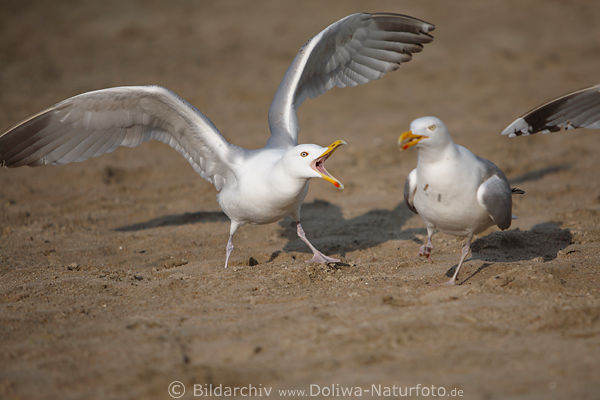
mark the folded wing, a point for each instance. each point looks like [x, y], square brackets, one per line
[95, 123]
[352, 51]
[410, 188]
[495, 194]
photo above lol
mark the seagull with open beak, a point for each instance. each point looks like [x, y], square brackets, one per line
[273, 185]
[255, 186]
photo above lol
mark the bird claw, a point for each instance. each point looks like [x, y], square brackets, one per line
[322, 259]
[450, 282]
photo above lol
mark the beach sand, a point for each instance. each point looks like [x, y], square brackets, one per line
[111, 271]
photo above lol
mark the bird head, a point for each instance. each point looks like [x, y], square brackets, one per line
[425, 131]
[308, 161]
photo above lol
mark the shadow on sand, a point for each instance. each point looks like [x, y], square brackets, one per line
[330, 232]
[541, 241]
[176, 220]
[326, 227]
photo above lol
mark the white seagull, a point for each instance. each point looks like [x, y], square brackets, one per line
[453, 190]
[579, 109]
[255, 186]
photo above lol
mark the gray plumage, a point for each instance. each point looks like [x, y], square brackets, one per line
[495, 194]
[453, 190]
[95, 123]
[351, 51]
[579, 109]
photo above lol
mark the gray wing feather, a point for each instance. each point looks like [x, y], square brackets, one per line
[410, 187]
[495, 195]
[580, 109]
[95, 123]
[352, 51]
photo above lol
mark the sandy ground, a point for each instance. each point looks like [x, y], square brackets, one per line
[111, 271]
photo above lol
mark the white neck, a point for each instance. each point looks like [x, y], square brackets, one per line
[285, 183]
[436, 152]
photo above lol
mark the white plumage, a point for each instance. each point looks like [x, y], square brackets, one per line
[256, 186]
[453, 190]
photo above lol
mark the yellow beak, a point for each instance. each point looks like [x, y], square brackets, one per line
[409, 139]
[319, 164]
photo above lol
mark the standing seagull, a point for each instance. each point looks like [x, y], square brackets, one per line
[452, 189]
[579, 109]
[255, 186]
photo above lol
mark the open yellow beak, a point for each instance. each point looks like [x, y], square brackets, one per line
[319, 164]
[409, 139]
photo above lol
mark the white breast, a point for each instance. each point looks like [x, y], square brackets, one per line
[263, 194]
[446, 195]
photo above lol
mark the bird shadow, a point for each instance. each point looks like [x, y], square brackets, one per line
[324, 223]
[176, 220]
[543, 241]
[539, 173]
[332, 233]
[326, 227]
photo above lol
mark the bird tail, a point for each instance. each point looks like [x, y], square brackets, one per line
[516, 191]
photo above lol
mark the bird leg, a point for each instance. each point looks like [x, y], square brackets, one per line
[425, 250]
[318, 257]
[465, 251]
[233, 227]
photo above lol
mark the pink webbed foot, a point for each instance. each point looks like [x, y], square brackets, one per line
[318, 257]
[322, 259]
[450, 282]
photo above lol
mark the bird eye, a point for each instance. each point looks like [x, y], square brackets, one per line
[432, 127]
[304, 154]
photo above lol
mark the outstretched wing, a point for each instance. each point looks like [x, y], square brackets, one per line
[354, 50]
[94, 123]
[580, 109]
